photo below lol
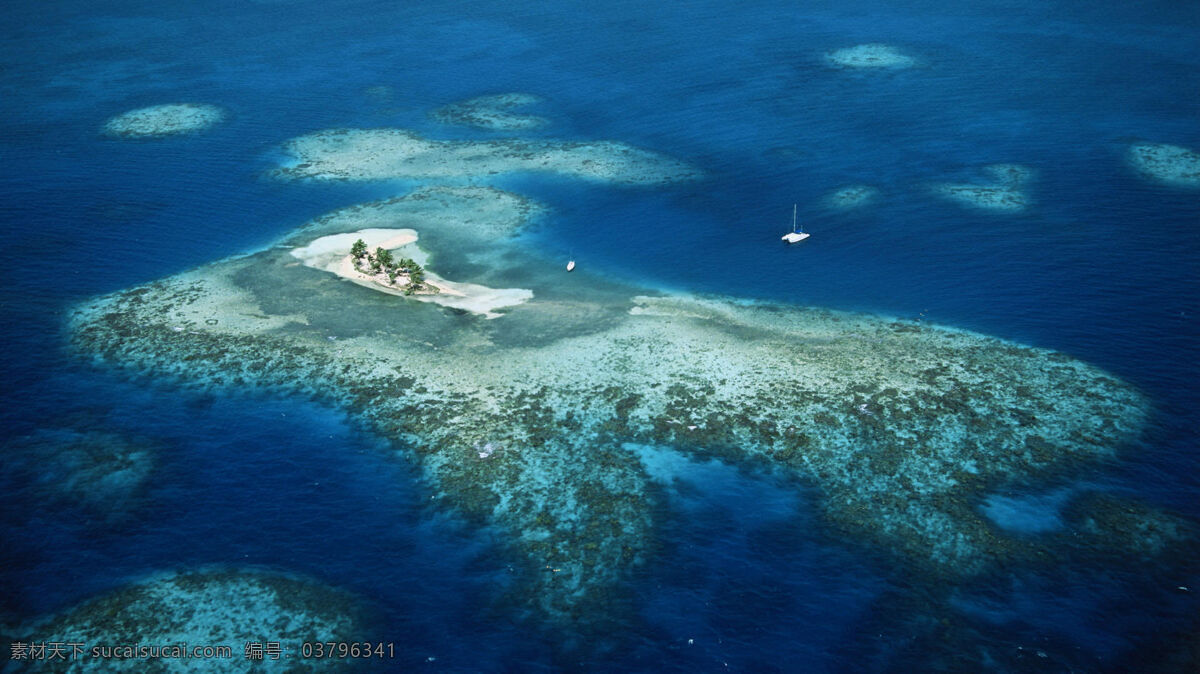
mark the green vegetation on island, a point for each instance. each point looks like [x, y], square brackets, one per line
[382, 262]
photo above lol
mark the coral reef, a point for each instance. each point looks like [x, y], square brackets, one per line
[900, 425]
[525, 424]
[204, 608]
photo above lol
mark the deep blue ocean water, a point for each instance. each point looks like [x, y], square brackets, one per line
[1104, 266]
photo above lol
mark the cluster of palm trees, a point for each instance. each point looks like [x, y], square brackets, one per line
[382, 261]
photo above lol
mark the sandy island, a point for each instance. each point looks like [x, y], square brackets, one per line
[164, 120]
[332, 254]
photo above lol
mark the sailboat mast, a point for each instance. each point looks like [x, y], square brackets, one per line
[793, 217]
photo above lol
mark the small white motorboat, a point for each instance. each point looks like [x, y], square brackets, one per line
[571, 265]
[795, 236]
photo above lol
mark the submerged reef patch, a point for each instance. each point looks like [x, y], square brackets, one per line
[380, 92]
[1004, 192]
[475, 213]
[159, 121]
[1109, 526]
[106, 473]
[901, 426]
[851, 197]
[1168, 164]
[875, 55]
[492, 112]
[204, 608]
[380, 154]
[1026, 513]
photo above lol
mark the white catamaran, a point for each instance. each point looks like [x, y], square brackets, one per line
[795, 236]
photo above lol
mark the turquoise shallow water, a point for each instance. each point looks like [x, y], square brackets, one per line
[1103, 266]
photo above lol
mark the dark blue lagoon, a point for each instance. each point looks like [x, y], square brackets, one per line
[953, 430]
